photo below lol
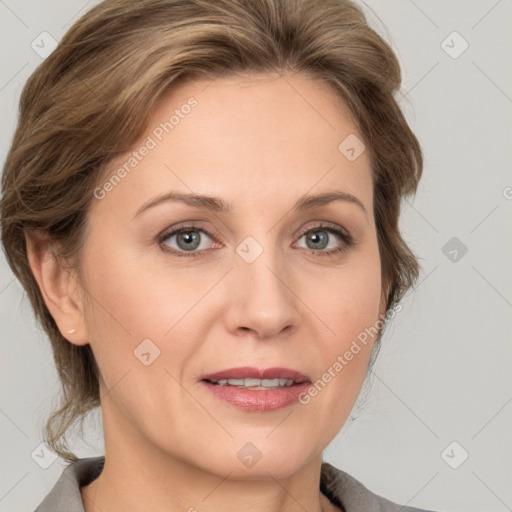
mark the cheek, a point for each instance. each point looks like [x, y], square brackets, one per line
[348, 304]
[132, 302]
[348, 300]
[132, 320]
[136, 298]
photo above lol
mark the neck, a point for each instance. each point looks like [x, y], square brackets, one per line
[138, 476]
[143, 485]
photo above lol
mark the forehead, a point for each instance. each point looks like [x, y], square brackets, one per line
[255, 139]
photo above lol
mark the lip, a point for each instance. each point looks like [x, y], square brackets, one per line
[257, 373]
[257, 400]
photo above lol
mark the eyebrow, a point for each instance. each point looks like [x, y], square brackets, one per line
[217, 205]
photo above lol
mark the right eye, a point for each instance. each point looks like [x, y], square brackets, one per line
[188, 239]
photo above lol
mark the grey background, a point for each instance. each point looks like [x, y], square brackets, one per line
[444, 373]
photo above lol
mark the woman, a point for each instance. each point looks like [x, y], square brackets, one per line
[201, 201]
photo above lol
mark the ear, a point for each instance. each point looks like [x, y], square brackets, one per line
[59, 287]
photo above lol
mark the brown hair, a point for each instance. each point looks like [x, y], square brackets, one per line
[90, 101]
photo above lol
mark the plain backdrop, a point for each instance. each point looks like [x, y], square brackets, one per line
[434, 430]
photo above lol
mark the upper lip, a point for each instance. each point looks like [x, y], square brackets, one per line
[257, 373]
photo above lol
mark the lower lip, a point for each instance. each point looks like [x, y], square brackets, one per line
[258, 400]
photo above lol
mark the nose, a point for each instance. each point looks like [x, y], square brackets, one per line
[262, 301]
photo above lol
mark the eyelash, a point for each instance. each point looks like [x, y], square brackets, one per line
[345, 236]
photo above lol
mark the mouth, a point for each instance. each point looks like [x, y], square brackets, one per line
[250, 377]
[255, 384]
[257, 389]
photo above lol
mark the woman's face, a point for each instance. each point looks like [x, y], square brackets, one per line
[256, 283]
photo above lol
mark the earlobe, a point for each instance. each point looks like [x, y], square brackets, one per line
[58, 286]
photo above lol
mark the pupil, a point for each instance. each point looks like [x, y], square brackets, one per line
[189, 237]
[319, 236]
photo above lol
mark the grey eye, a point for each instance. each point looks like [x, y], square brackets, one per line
[317, 239]
[186, 239]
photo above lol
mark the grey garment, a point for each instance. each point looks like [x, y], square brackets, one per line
[343, 490]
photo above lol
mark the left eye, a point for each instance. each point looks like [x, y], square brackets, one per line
[318, 238]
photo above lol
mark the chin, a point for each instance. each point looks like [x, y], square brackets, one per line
[254, 457]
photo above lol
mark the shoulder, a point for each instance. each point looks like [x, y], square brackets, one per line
[65, 495]
[352, 496]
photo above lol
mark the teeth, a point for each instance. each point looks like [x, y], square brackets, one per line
[236, 382]
[256, 383]
[249, 382]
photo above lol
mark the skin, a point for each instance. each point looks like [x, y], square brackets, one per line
[258, 142]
